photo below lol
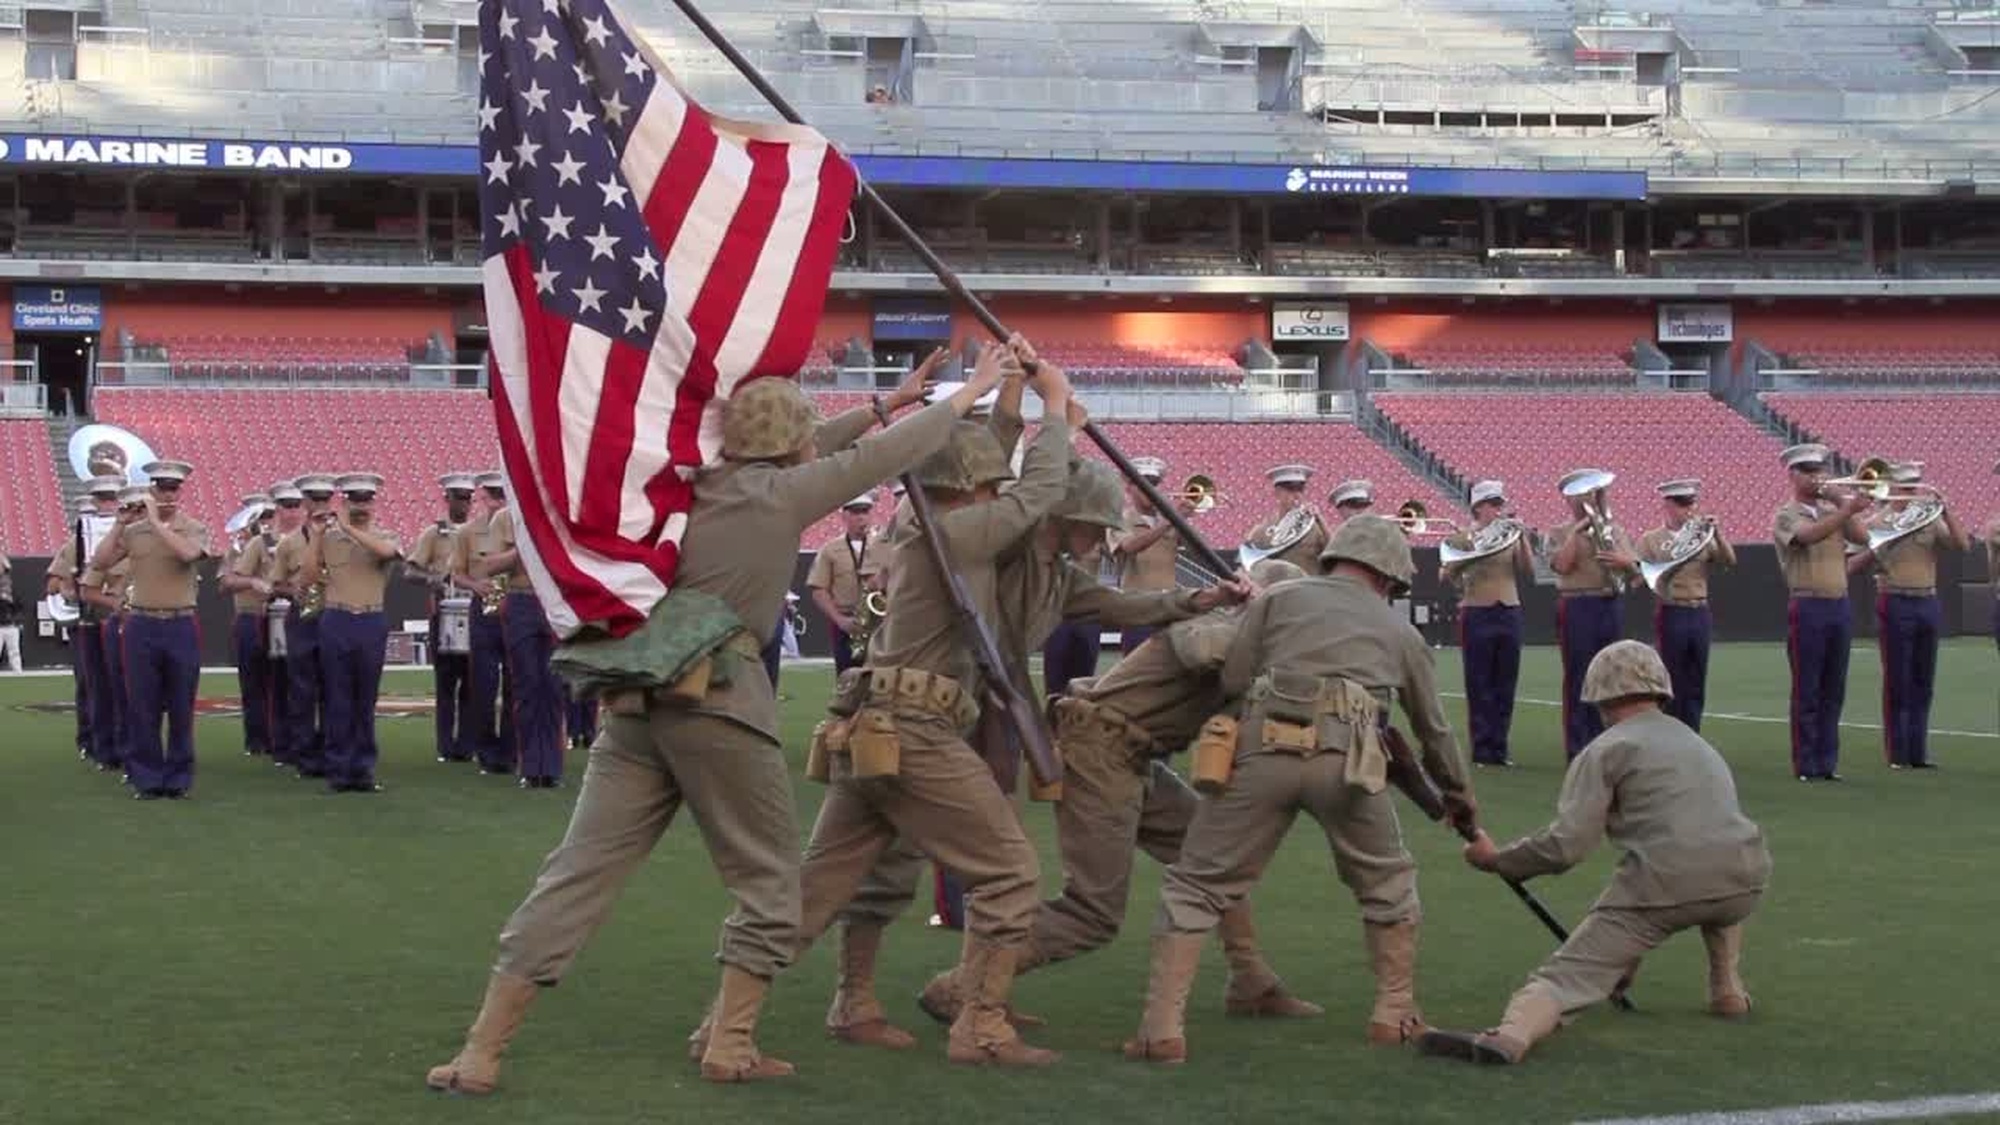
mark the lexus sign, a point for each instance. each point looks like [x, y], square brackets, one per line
[1321, 321]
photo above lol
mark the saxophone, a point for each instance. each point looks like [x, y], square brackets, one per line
[867, 617]
[315, 595]
[494, 596]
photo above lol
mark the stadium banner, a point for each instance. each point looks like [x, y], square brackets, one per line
[912, 318]
[1697, 324]
[1324, 321]
[58, 308]
[64, 150]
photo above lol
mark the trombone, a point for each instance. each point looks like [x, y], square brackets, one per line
[1415, 520]
[1199, 492]
[1871, 479]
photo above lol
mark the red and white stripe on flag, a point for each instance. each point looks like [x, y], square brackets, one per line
[642, 258]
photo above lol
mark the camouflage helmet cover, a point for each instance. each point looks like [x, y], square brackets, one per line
[766, 418]
[1094, 497]
[1623, 669]
[1375, 542]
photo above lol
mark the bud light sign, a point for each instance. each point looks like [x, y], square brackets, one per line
[58, 308]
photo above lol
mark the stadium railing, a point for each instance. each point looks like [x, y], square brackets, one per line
[25, 399]
[161, 373]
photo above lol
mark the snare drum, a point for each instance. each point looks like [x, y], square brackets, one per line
[274, 628]
[454, 626]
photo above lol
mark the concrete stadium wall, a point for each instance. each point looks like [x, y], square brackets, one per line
[153, 312]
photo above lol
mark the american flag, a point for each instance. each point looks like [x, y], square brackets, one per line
[642, 257]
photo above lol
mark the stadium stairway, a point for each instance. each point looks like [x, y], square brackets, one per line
[68, 484]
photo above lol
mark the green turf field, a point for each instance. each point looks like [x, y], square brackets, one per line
[268, 954]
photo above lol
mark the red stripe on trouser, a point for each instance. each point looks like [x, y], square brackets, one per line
[1792, 650]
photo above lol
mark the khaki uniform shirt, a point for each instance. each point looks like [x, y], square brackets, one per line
[117, 583]
[921, 628]
[1667, 798]
[288, 564]
[1168, 686]
[743, 532]
[842, 571]
[1487, 581]
[357, 578]
[1689, 583]
[1152, 568]
[62, 566]
[1590, 576]
[433, 552]
[251, 562]
[1330, 627]
[468, 544]
[1305, 553]
[1993, 555]
[1811, 570]
[1909, 565]
[160, 579]
[499, 538]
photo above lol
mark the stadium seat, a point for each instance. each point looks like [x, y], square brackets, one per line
[31, 512]
[1952, 434]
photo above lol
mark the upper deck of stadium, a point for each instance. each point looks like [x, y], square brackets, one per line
[1852, 90]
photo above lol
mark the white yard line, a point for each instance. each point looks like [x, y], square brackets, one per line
[1739, 718]
[1909, 1109]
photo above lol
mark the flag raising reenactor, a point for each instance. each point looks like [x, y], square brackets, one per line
[1680, 551]
[487, 732]
[1904, 538]
[241, 578]
[1119, 796]
[302, 582]
[429, 562]
[1809, 532]
[533, 699]
[162, 645]
[710, 738]
[356, 556]
[1691, 860]
[1314, 663]
[1495, 556]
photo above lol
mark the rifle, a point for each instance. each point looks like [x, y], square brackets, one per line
[1407, 774]
[1207, 554]
[998, 694]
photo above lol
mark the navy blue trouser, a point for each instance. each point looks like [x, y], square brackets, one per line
[305, 698]
[1130, 639]
[1817, 642]
[247, 635]
[1587, 624]
[451, 683]
[1489, 641]
[579, 714]
[1070, 653]
[112, 708]
[1908, 636]
[277, 704]
[1681, 633]
[774, 654]
[843, 658]
[352, 648]
[162, 670]
[484, 733]
[86, 641]
[534, 695]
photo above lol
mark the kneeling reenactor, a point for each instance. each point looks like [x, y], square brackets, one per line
[1692, 859]
[1314, 663]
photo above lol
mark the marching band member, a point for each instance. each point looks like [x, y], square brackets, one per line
[1489, 626]
[1809, 532]
[1681, 621]
[1147, 549]
[250, 593]
[841, 572]
[1288, 490]
[1908, 615]
[305, 587]
[1993, 566]
[486, 730]
[1351, 498]
[1593, 565]
[96, 719]
[534, 698]
[109, 593]
[720, 753]
[162, 644]
[354, 635]
[430, 563]
[290, 518]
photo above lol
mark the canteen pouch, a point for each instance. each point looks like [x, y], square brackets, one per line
[848, 692]
[1214, 755]
[1290, 697]
[828, 738]
[692, 686]
[628, 703]
[873, 746]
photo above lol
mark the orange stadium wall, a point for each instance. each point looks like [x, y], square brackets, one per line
[152, 313]
[1400, 326]
[1866, 324]
[1183, 323]
[844, 318]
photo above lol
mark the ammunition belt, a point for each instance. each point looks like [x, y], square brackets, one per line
[915, 691]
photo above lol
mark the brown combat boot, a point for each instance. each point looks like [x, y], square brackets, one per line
[1254, 987]
[698, 1038]
[1727, 997]
[982, 1034]
[732, 1051]
[856, 1016]
[1531, 1016]
[944, 997]
[1392, 951]
[1162, 1034]
[476, 1068]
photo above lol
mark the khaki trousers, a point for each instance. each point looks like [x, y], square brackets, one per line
[945, 803]
[1234, 836]
[1108, 809]
[1610, 941]
[641, 770]
[889, 887]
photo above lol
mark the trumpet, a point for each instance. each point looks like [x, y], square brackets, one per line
[1415, 519]
[1200, 492]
